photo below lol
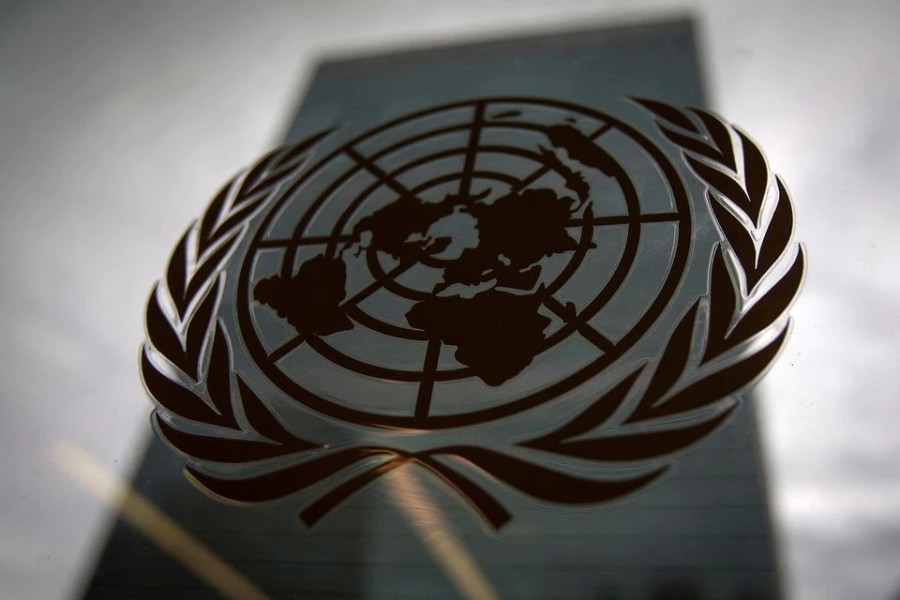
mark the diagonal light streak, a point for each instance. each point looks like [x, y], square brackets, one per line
[444, 546]
[153, 523]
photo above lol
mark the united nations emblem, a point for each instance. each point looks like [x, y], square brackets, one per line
[497, 290]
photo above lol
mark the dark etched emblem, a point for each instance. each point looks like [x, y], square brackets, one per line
[462, 265]
[471, 272]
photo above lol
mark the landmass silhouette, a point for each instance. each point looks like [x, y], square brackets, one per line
[496, 333]
[311, 300]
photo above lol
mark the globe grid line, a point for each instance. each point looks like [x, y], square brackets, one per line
[465, 183]
[576, 222]
[429, 373]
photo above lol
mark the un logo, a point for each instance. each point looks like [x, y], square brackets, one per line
[461, 266]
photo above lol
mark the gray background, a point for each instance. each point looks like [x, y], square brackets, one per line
[117, 120]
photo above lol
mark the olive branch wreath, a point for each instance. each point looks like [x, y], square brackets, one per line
[755, 274]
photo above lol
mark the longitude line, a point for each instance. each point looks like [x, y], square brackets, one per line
[541, 171]
[379, 173]
[426, 386]
[465, 184]
[588, 332]
[287, 347]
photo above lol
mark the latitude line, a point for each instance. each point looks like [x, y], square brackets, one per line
[426, 386]
[625, 219]
[541, 171]
[587, 332]
[305, 241]
[361, 295]
[465, 183]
